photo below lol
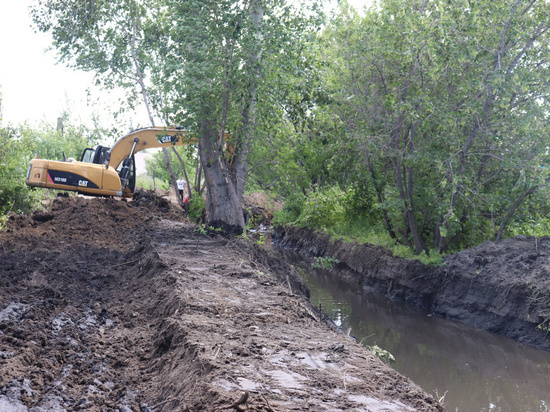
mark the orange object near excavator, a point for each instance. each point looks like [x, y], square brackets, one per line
[104, 171]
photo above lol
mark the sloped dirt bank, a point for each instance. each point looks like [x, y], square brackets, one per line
[113, 306]
[499, 287]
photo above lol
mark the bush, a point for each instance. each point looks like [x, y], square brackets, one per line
[323, 209]
[291, 211]
[537, 228]
[330, 209]
[197, 209]
[15, 196]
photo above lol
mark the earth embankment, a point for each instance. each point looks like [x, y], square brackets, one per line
[499, 287]
[111, 305]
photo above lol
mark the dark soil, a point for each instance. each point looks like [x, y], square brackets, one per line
[107, 305]
[499, 287]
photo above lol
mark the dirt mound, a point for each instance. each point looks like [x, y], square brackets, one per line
[149, 198]
[113, 305]
[80, 219]
[499, 287]
[504, 287]
[260, 209]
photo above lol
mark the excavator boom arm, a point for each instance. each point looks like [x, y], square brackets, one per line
[147, 138]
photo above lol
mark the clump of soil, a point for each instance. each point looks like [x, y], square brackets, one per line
[260, 208]
[114, 305]
[147, 198]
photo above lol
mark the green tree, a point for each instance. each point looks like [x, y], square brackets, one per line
[446, 103]
[201, 63]
[230, 51]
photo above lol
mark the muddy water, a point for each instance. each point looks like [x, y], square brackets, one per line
[472, 370]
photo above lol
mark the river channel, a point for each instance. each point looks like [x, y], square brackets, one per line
[470, 369]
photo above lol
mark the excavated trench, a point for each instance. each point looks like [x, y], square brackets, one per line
[438, 322]
[502, 288]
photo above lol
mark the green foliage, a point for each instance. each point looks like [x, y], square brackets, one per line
[533, 219]
[50, 143]
[261, 239]
[14, 157]
[330, 209]
[291, 211]
[445, 105]
[434, 258]
[145, 182]
[338, 214]
[361, 233]
[536, 228]
[322, 209]
[381, 353]
[326, 263]
[197, 209]
[201, 230]
[156, 169]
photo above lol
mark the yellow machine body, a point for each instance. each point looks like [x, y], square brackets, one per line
[86, 178]
[101, 174]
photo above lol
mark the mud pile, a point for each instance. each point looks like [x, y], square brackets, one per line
[499, 287]
[113, 305]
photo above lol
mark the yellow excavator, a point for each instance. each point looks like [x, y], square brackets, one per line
[104, 171]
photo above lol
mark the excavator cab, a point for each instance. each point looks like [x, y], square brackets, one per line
[126, 170]
[97, 155]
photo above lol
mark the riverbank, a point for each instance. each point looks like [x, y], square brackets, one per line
[499, 287]
[113, 305]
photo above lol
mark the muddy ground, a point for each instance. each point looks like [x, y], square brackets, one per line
[107, 305]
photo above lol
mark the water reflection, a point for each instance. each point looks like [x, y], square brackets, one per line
[474, 369]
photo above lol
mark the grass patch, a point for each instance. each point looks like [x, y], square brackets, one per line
[377, 236]
[149, 183]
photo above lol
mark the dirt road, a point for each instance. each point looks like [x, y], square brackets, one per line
[108, 305]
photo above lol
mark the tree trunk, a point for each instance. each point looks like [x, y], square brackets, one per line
[379, 195]
[222, 202]
[170, 171]
[476, 125]
[226, 175]
[198, 179]
[511, 212]
[240, 163]
[408, 179]
[404, 182]
[408, 212]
